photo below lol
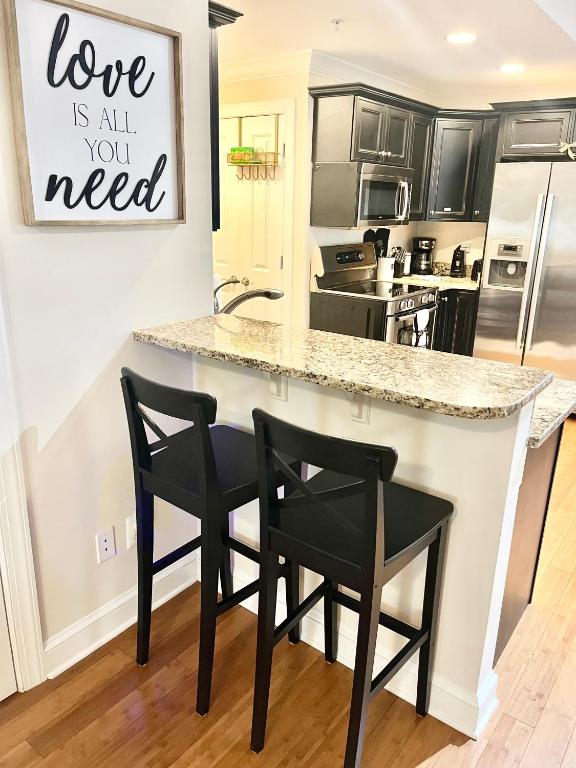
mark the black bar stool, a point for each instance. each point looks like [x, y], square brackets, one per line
[208, 472]
[358, 529]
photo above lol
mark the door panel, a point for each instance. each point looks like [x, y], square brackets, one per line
[398, 138]
[536, 133]
[452, 175]
[552, 344]
[250, 243]
[419, 162]
[369, 131]
[497, 325]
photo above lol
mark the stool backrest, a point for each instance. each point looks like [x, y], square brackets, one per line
[196, 409]
[368, 465]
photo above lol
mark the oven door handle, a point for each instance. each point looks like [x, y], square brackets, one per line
[431, 308]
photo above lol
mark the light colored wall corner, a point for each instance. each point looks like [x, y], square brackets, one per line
[82, 638]
[73, 297]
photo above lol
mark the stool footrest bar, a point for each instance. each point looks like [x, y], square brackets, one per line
[400, 627]
[384, 677]
[295, 618]
[241, 548]
[172, 557]
[237, 597]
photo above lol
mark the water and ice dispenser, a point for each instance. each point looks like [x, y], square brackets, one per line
[506, 263]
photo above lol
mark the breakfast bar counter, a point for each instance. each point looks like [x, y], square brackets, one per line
[461, 428]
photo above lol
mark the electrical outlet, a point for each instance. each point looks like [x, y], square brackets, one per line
[105, 544]
[131, 531]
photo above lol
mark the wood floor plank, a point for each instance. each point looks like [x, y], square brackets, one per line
[507, 745]
[569, 759]
[63, 699]
[547, 747]
[22, 756]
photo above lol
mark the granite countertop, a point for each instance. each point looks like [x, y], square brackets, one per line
[434, 381]
[443, 282]
[551, 408]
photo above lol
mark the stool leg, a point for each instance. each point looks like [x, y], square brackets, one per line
[226, 563]
[145, 543]
[264, 647]
[366, 645]
[293, 598]
[331, 625]
[210, 559]
[433, 582]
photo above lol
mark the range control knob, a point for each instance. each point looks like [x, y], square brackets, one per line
[410, 303]
[403, 304]
[424, 299]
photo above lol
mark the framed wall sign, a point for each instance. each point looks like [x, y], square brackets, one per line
[97, 101]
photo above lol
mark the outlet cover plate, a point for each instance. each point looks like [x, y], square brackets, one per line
[105, 544]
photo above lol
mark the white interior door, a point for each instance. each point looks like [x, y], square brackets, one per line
[251, 241]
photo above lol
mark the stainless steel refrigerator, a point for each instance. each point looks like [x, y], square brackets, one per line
[527, 306]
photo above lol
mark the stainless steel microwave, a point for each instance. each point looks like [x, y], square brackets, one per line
[359, 195]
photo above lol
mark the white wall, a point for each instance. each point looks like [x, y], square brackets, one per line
[72, 297]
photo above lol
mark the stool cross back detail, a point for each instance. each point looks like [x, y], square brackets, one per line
[355, 527]
[207, 471]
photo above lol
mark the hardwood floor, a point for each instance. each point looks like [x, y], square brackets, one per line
[108, 712]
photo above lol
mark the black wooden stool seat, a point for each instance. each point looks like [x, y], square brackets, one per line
[174, 474]
[355, 527]
[208, 471]
[411, 515]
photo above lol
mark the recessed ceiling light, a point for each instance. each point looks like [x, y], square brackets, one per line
[512, 69]
[462, 38]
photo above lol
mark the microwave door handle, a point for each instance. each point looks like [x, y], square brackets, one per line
[406, 200]
[531, 263]
[538, 274]
[397, 203]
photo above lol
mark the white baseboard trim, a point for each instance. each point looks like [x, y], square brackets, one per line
[448, 703]
[80, 639]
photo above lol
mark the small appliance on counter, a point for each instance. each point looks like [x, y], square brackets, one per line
[476, 269]
[422, 248]
[458, 266]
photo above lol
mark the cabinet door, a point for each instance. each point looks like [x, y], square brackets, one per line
[462, 321]
[369, 131]
[535, 133]
[452, 172]
[486, 167]
[349, 316]
[441, 331]
[418, 160]
[397, 139]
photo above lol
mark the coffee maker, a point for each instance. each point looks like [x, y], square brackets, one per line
[422, 248]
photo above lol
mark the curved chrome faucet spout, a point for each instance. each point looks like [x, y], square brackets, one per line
[264, 293]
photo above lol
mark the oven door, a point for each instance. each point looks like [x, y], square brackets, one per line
[412, 329]
[384, 197]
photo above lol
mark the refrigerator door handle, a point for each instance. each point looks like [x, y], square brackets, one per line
[521, 335]
[539, 267]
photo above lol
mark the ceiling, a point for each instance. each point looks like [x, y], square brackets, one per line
[405, 39]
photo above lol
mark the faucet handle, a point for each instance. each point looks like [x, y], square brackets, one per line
[245, 282]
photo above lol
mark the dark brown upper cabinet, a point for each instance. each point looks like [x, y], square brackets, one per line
[452, 170]
[358, 123]
[380, 133]
[485, 169]
[419, 161]
[536, 134]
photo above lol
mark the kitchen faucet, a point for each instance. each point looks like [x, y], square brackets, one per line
[232, 280]
[264, 293]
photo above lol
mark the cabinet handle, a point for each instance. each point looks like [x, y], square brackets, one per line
[431, 213]
[476, 213]
[384, 153]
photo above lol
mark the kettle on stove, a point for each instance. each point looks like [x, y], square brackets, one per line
[458, 266]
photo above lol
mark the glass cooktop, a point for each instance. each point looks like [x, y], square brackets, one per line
[379, 288]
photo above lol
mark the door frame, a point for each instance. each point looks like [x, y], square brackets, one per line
[16, 554]
[286, 108]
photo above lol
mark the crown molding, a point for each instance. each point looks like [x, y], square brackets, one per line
[297, 63]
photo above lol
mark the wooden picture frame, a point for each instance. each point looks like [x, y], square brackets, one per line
[19, 116]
